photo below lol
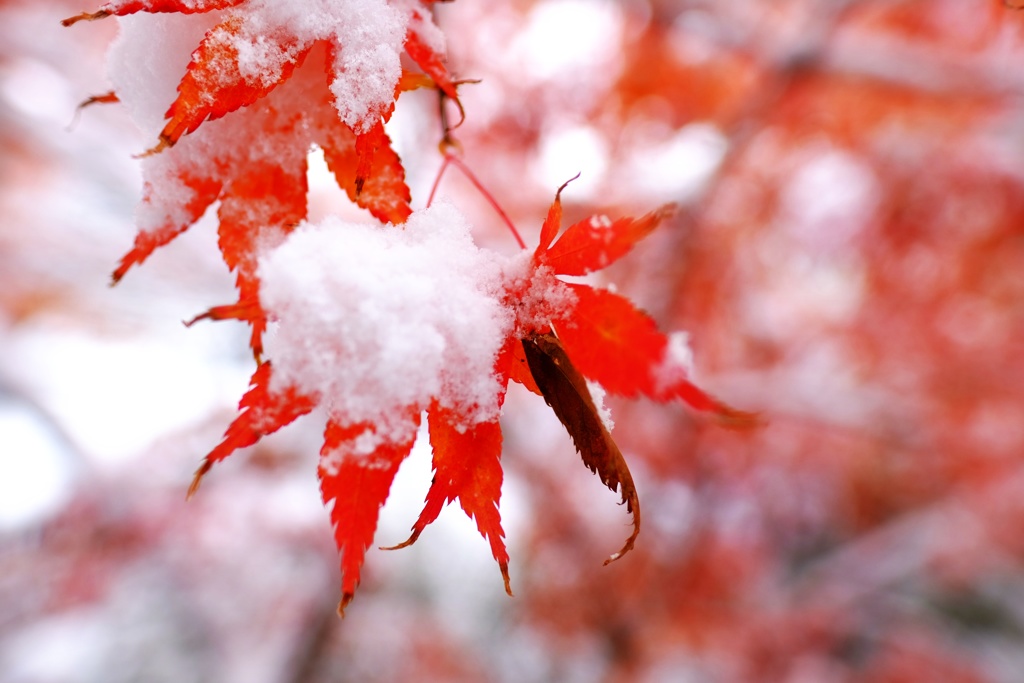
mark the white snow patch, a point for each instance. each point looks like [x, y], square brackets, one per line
[368, 64]
[151, 55]
[149, 59]
[677, 365]
[597, 394]
[380, 319]
[542, 297]
[166, 196]
[261, 58]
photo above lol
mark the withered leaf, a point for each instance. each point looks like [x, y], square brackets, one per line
[565, 390]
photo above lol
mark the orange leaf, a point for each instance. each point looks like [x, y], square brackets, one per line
[431, 63]
[358, 483]
[552, 223]
[612, 342]
[511, 365]
[566, 391]
[264, 194]
[519, 369]
[368, 145]
[205, 192]
[109, 97]
[214, 84]
[597, 242]
[262, 412]
[382, 190]
[125, 7]
[248, 309]
[467, 466]
[413, 80]
[620, 347]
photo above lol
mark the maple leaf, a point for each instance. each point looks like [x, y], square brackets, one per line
[565, 390]
[262, 188]
[263, 412]
[125, 7]
[214, 83]
[596, 334]
[565, 334]
[260, 43]
[610, 340]
[467, 467]
[355, 481]
[371, 360]
[375, 372]
[250, 65]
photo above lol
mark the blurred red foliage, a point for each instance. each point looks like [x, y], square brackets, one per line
[848, 259]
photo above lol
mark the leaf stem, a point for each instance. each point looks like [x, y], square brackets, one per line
[451, 149]
[449, 158]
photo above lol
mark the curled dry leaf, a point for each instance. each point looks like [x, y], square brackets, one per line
[565, 390]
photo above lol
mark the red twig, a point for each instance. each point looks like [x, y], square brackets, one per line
[450, 158]
[450, 149]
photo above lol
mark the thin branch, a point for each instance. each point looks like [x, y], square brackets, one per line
[489, 197]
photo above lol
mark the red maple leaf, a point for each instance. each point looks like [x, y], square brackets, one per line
[256, 166]
[356, 484]
[610, 341]
[467, 467]
[602, 337]
[262, 412]
[124, 7]
[562, 335]
[262, 188]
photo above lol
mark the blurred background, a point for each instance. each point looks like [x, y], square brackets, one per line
[848, 260]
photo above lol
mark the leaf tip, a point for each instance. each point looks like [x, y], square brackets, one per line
[84, 16]
[508, 581]
[666, 211]
[404, 544]
[123, 267]
[558, 194]
[739, 420]
[346, 598]
[164, 142]
[629, 541]
[197, 479]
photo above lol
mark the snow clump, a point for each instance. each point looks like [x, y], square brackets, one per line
[380, 319]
